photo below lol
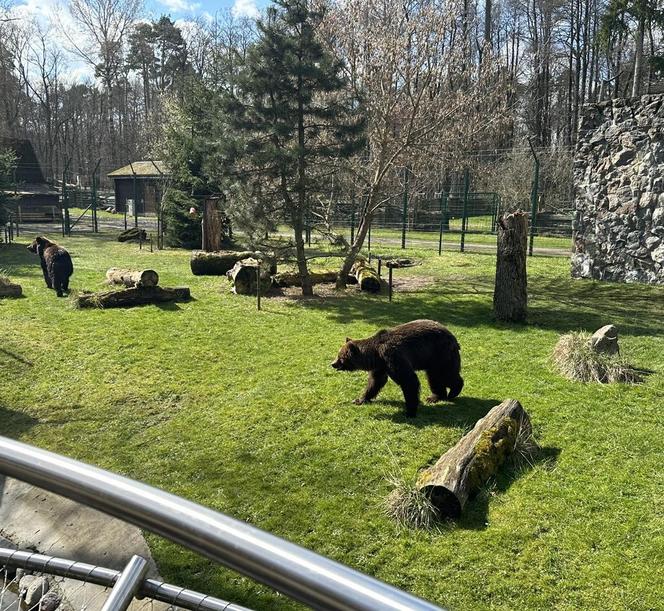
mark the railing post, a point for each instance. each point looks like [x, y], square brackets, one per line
[443, 206]
[533, 199]
[95, 226]
[404, 214]
[127, 585]
[466, 187]
[66, 227]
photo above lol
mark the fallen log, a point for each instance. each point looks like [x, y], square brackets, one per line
[133, 233]
[9, 289]
[244, 277]
[284, 279]
[138, 295]
[366, 276]
[222, 261]
[129, 278]
[463, 469]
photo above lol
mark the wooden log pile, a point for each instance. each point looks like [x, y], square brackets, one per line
[463, 469]
[222, 261]
[141, 289]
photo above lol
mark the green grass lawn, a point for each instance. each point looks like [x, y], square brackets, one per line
[240, 411]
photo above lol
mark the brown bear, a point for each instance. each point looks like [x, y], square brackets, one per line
[400, 352]
[55, 263]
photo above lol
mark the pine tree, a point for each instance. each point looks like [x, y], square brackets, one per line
[292, 115]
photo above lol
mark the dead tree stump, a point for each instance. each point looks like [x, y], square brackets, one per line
[463, 469]
[129, 278]
[510, 296]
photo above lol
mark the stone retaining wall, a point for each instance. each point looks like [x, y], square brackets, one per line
[619, 184]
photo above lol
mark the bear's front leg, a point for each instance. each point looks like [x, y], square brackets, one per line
[377, 379]
[47, 276]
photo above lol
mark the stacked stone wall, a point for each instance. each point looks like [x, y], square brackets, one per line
[619, 185]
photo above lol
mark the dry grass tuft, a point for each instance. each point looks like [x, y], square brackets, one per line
[409, 506]
[576, 360]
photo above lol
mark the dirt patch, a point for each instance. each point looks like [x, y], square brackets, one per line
[412, 284]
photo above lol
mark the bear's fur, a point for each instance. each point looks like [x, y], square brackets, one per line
[55, 263]
[401, 351]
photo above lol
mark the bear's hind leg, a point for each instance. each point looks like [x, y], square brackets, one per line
[455, 385]
[377, 379]
[437, 385]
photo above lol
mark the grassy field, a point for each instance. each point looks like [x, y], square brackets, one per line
[239, 410]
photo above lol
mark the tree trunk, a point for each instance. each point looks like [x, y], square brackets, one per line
[212, 226]
[638, 57]
[129, 278]
[510, 297]
[132, 297]
[220, 262]
[463, 469]
[349, 260]
[243, 276]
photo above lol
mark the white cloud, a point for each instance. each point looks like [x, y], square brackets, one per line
[180, 6]
[245, 8]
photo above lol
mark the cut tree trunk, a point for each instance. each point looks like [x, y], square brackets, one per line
[243, 276]
[510, 297]
[9, 289]
[220, 262]
[294, 278]
[366, 276]
[129, 278]
[212, 226]
[463, 469]
[138, 295]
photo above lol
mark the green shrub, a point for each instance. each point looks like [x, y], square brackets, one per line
[182, 229]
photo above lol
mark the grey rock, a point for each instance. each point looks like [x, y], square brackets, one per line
[50, 601]
[32, 588]
[605, 340]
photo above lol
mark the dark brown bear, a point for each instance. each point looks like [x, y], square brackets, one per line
[55, 263]
[401, 351]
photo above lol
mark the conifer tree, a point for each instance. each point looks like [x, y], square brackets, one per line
[292, 116]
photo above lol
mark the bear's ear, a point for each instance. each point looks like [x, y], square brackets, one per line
[348, 340]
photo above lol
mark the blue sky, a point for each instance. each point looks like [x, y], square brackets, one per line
[183, 9]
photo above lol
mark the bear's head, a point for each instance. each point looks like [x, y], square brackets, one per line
[39, 243]
[349, 357]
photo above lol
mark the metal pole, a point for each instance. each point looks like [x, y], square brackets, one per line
[380, 263]
[65, 201]
[404, 214]
[369, 240]
[443, 206]
[258, 286]
[95, 226]
[297, 572]
[533, 199]
[466, 187]
[135, 199]
[389, 284]
[352, 222]
[127, 585]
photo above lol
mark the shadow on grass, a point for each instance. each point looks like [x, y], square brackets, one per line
[464, 412]
[13, 423]
[476, 512]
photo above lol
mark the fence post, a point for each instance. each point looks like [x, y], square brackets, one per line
[533, 199]
[258, 286]
[389, 283]
[352, 220]
[443, 205]
[66, 227]
[369, 240]
[404, 217]
[95, 226]
[464, 220]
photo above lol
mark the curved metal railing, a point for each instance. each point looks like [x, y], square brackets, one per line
[293, 570]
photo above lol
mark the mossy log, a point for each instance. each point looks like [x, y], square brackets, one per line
[510, 296]
[244, 277]
[9, 289]
[222, 261]
[321, 277]
[134, 233]
[366, 276]
[463, 469]
[129, 278]
[138, 295]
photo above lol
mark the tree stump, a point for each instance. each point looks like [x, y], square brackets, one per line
[9, 289]
[138, 295]
[243, 277]
[510, 297]
[129, 278]
[213, 227]
[220, 262]
[463, 469]
[366, 276]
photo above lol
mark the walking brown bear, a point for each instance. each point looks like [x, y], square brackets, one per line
[401, 351]
[55, 263]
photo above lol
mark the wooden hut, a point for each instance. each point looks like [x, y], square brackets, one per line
[140, 183]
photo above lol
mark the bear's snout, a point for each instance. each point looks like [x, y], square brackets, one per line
[336, 364]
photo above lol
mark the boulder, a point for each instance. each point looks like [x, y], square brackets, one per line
[605, 340]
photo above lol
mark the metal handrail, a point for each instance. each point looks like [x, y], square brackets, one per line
[293, 570]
